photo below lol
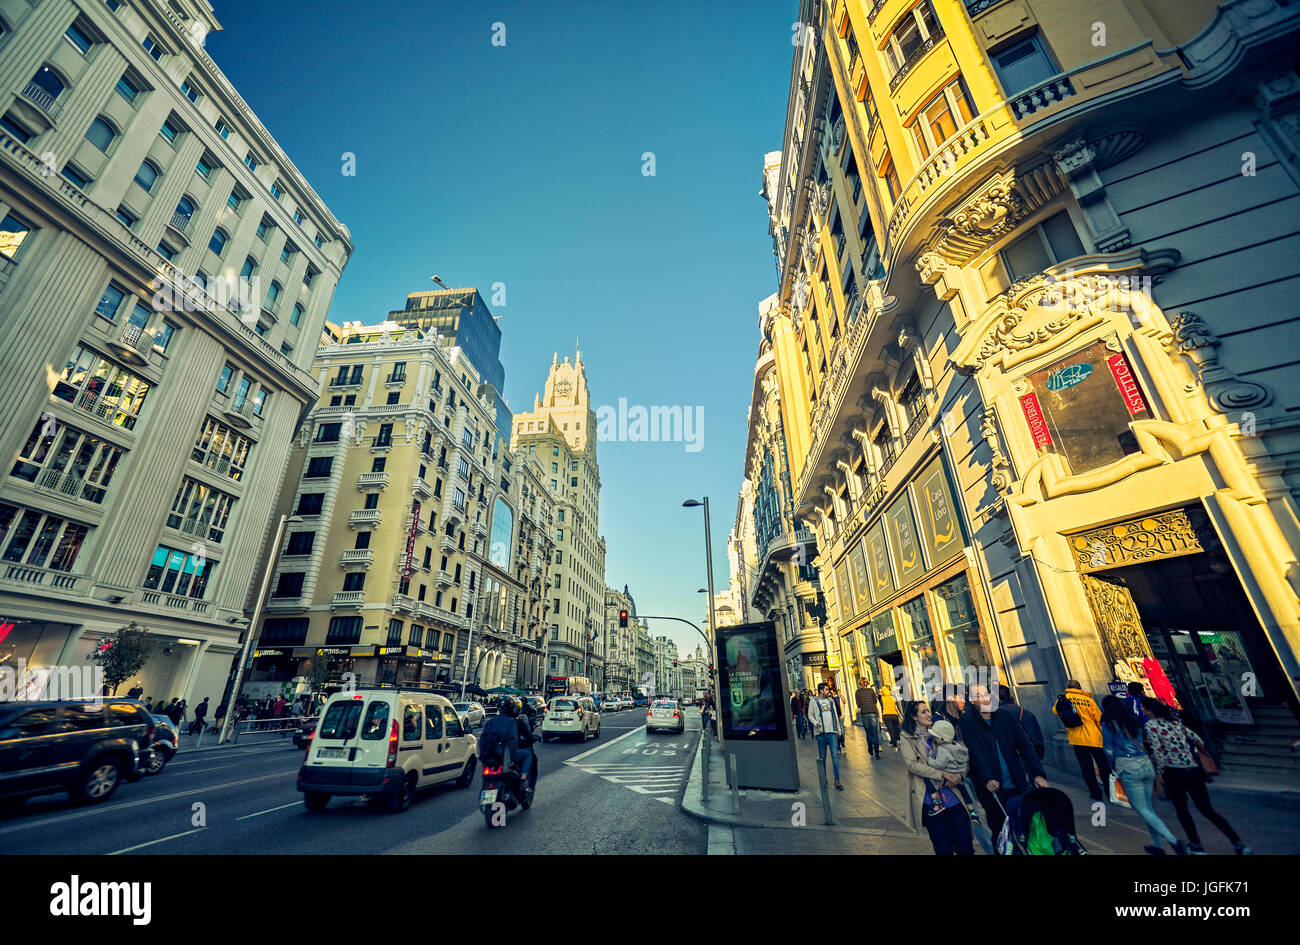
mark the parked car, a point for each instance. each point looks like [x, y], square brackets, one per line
[665, 715]
[386, 744]
[471, 713]
[166, 742]
[84, 748]
[567, 716]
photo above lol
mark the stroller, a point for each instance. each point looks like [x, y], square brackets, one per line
[1040, 822]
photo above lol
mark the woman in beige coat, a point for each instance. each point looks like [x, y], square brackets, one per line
[937, 806]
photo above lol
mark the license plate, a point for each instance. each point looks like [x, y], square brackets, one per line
[488, 797]
[329, 752]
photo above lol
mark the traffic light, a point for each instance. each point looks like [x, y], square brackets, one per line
[622, 618]
[674, 662]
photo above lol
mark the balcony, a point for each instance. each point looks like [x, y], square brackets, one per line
[448, 544]
[1044, 95]
[272, 308]
[421, 487]
[444, 578]
[348, 599]
[875, 8]
[403, 604]
[918, 422]
[372, 480]
[917, 55]
[421, 527]
[24, 574]
[478, 529]
[171, 602]
[395, 380]
[367, 518]
[242, 414]
[357, 558]
[345, 382]
[43, 100]
[180, 222]
[381, 442]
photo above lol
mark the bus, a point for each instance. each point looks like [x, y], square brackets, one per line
[567, 686]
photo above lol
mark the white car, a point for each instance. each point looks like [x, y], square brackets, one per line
[471, 713]
[567, 716]
[625, 702]
[611, 704]
[665, 715]
[385, 744]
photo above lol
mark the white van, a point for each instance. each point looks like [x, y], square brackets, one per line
[385, 743]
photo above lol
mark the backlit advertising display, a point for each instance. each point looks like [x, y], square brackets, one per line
[753, 706]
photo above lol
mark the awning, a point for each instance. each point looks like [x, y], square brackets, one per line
[505, 691]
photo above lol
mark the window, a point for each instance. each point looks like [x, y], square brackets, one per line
[110, 302]
[152, 48]
[263, 228]
[218, 242]
[411, 731]
[101, 134]
[393, 398]
[173, 571]
[78, 38]
[1050, 242]
[290, 584]
[940, 118]
[75, 177]
[9, 124]
[221, 450]
[309, 275]
[916, 27]
[146, 176]
[297, 217]
[49, 532]
[189, 91]
[112, 5]
[102, 388]
[296, 315]
[309, 503]
[128, 218]
[259, 402]
[385, 437]
[277, 190]
[273, 296]
[287, 252]
[1023, 65]
[249, 267]
[328, 432]
[223, 381]
[319, 241]
[319, 467]
[166, 252]
[891, 179]
[200, 510]
[372, 500]
[300, 543]
[222, 129]
[169, 131]
[250, 161]
[205, 166]
[235, 200]
[241, 393]
[13, 234]
[286, 631]
[127, 89]
[162, 336]
[363, 541]
[68, 461]
[347, 630]
[354, 581]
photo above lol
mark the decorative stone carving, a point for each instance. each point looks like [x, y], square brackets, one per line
[1001, 467]
[1226, 391]
[1153, 538]
[1075, 161]
[991, 214]
[1074, 156]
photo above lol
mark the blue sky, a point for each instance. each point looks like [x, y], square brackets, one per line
[522, 164]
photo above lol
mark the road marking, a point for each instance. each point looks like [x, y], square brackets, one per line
[141, 846]
[645, 790]
[666, 800]
[592, 751]
[61, 818]
[271, 810]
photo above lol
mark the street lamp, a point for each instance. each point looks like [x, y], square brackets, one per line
[708, 560]
[252, 624]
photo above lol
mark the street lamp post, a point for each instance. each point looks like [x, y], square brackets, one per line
[708, 560]
[252, 625]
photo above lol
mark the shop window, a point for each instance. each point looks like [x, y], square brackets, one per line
[964, 653]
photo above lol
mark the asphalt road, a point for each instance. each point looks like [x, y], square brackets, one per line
[615, 794]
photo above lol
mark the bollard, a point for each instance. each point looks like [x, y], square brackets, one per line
[735, 787]
[826, 794]
[704, 783]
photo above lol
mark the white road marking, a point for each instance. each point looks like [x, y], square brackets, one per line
[592, 751]
[268, 811]
[666, 800]
[141, 846]
[644, 790]
[61, 818]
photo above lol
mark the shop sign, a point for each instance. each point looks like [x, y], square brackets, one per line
[833, 660]
[257, 653]
[1068, 376]
[368, 650]
[1157, 537]
[861, 594]
[1128, 388]
[882, 578]
[938, 514]
[391, 651]
[907, 550]
[410, 541]
[1037, 423]
[814, 659]
[884, 636]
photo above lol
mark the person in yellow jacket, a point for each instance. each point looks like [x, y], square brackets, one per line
[1085, 737]
[889, 715]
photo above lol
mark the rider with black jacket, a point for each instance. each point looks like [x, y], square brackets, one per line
[506, 731]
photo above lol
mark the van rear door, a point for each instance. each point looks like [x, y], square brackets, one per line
[338, 736]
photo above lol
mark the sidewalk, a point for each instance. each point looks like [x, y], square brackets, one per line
[870, 814]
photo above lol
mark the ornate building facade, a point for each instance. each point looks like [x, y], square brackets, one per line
[1032, 347]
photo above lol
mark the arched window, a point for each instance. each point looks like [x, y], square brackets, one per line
[250, 266]
[185, 208]
[48, 82]
[101, 134]
[273, 293]
[146, 176]
[218, 242]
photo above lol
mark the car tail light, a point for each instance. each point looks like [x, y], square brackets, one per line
[677, 715]
[648, 713]
[310, 736]
[392, 745]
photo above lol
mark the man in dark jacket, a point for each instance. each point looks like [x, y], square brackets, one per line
[200, 717]
[1003, 760]
[868, 709]
[1026, 718]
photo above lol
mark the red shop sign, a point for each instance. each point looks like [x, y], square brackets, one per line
[409, 557]
[1037, 423]
[1128, 387]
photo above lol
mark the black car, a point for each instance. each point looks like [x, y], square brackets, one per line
[534, 709]
[84, 748]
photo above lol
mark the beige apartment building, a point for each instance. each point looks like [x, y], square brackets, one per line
[560, 432]
[165, 276]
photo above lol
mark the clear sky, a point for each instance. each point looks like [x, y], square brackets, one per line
[523, 164]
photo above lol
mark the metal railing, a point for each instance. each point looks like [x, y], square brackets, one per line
[42, 100]
[180, 222]
[917, 55]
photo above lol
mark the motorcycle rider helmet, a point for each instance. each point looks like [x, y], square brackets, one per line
[509, 707]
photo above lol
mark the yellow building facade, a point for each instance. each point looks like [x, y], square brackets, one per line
[1033, 351]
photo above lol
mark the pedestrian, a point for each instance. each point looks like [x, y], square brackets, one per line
[932, 797]
[182, 706]
[1025, 718]
[868, 712]
[173, 711]
[889, 715]
[1078, 712]
[1003, 761]
[796, 711]
[1134, 702]
[839, 708]
[1174, 750]
[1121, 736]
[220, 718]
[148, 705]
[135, 692]
[824, 715]
[200, 716]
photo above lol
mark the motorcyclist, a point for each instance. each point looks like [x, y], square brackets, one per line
[504, 731]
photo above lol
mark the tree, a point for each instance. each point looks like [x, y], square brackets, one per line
[123, 654]
[317, 674]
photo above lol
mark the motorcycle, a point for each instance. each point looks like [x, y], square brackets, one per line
[503, 791]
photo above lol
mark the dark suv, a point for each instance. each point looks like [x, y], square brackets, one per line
[84, 748]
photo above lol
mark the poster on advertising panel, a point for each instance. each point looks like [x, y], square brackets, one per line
[938, 514]
[882, 578]
[861, 583]
[749, 675]
[844, 591]
[907, 550]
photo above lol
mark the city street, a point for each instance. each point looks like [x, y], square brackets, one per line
[617, 794]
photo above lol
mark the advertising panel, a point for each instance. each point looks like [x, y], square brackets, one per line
[908, 562]
[749, 675]
[882, 577]
[861, 583]
[938, 514]
[844, 591]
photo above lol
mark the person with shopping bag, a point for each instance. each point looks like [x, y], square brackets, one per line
[1122, 741]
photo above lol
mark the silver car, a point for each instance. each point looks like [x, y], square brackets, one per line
[665, 715]
[471, 713]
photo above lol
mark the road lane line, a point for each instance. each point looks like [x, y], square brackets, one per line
[62, 818]
[141, 846]
[271, 810]
[607, 744]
